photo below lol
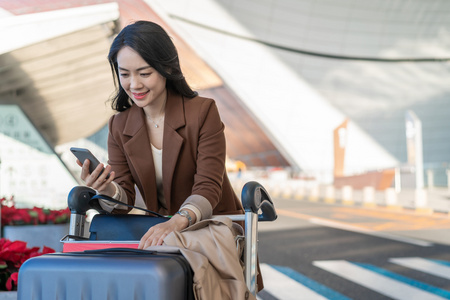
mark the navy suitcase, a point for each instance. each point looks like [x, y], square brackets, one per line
[115, 274]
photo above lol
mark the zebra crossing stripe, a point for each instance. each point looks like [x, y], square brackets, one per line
[442, 262]
[374, 281]
[418, 284]
[285, 288]
[311, 284]
[425, 265]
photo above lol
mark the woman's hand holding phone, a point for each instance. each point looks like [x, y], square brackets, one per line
[93, 173]
[100, 179]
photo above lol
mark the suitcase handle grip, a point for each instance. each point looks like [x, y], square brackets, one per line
[119, 250]
[255, 198]
[79, 198]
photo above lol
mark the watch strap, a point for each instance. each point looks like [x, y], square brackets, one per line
[185, 214]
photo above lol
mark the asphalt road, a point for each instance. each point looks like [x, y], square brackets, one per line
[323, 251]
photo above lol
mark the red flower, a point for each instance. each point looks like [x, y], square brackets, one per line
[12, 281]
[47, 250]
[31, 216]
[14, 254]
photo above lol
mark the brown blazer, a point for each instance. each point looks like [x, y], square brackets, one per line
[193, 156]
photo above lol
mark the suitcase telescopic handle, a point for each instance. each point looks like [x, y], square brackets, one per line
[255, 198]
[78, 203]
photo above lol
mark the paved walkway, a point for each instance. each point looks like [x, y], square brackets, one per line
[407, 223]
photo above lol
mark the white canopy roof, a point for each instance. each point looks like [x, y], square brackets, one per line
[25, 30]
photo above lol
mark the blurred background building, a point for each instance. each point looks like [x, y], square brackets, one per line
[285, 74]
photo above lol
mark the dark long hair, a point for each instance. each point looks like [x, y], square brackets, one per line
[155, 46]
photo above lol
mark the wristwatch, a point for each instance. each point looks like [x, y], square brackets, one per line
[185, 214]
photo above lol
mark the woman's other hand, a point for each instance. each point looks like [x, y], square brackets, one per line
[156, 234]
[98, 181]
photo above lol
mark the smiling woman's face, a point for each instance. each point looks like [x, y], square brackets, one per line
[143, 84]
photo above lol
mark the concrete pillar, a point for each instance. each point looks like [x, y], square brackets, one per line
[347, 195]
[398, 180]
[391, 199]
[448, 179]
[299, 192]
[369, 196]
[421, 202]
[287, 189]
[314, 193]
[275, 189]
[330, 196]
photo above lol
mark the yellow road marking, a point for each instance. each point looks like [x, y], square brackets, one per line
[388, 221]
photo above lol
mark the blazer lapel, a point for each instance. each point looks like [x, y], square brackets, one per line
[172, 143]
[140, 154]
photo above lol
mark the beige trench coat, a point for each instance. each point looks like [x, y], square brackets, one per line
[210, 248]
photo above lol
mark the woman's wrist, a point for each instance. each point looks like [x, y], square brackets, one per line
[196, 215]
[110, 190]
[180, 221]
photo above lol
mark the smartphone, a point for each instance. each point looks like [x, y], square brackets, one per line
[82, 154]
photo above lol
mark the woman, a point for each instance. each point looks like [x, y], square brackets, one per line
[165, 139]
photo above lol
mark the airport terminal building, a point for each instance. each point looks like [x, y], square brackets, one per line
[285, 74]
